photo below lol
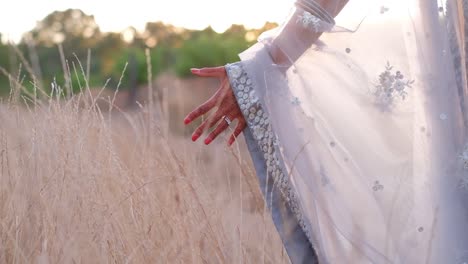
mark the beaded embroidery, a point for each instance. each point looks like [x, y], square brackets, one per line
[464, 159]
[259, 123]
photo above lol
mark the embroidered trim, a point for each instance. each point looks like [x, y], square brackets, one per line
[463, 157]
[259, 123]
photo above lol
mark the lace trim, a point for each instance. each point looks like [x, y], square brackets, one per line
[259, 123]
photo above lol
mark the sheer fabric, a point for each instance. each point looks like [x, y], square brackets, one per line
[364, 129]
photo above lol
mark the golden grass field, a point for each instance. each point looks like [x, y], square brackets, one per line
[82, 184]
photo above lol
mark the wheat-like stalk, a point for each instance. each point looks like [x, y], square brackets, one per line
[79, 185]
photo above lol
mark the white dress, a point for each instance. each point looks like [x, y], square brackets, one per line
[361, 135]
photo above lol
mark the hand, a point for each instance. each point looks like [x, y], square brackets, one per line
[226, 104]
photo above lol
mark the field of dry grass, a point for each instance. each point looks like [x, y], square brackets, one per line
[82, 185]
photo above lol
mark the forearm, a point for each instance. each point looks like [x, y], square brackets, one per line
[298, 38]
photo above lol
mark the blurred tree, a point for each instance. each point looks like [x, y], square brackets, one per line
[75, 32]
[252, 35]
[238, 31]
[109, 50]
[137, 68]
[72, 28]
[207, 48]
[159, 33]
[5, 64]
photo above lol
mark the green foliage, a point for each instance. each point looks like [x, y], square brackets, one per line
[208, 49]
[136, 72]
[76, 34]
[5, 64]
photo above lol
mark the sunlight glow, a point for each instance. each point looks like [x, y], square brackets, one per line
[20, 16]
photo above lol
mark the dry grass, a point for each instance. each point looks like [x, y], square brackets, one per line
[78, 185]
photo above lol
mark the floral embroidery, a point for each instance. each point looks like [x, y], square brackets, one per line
[464, 158]
[391, 86]
[464, 183]
[259, 123]
[235, 72]
[295, 101]
[324, 178]
[309, 21]
[315, 23]
[377, 186]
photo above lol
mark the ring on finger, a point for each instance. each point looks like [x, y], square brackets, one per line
[228, 121]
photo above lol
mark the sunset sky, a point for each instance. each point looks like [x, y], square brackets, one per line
[19, 16]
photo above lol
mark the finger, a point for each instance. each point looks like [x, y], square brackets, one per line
[214, 119]
[199, 111]
[214, 101]
[199, 131]
[210, 122]
[209, 72]
[219, 98]
[240, 127]
[223, 125]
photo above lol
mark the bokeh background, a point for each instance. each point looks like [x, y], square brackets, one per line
[96, 165]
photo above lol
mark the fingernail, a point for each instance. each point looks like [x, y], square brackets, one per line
[194, 137]
[187, 121]
[194, 70]
[208, 141]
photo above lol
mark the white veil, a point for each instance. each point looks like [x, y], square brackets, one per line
[370, 126]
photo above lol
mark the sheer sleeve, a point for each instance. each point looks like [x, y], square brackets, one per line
[363, 128]
[281, 47]
[307, 21]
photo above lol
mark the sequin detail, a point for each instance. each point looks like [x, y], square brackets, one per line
[295, 101]
[377, 186]
[260, 125]
[464, 159]
[309, 21]
[312, 22]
